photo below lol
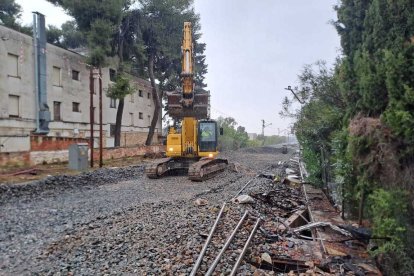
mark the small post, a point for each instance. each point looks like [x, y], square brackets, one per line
[100, 118]
[91, 115]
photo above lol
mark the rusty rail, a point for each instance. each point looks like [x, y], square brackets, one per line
[237, 264]
[210, 236]
[230, 238]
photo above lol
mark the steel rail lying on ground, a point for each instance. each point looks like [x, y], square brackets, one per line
[210, 236]
[230, 238]
[236, 266]
[244, 187]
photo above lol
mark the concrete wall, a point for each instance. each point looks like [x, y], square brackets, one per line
[14, 143]
[48, 157]
[114, 153]
[16, 159]
[66, 90]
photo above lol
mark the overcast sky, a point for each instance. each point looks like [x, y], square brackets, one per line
[254, 50]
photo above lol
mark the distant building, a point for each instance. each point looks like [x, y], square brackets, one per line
[68, 98]
[252, 136]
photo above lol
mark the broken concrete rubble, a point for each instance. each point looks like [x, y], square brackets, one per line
[303, 233]
[243, 199]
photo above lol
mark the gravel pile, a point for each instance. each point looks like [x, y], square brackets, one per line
[262, 150]
[56, 184]
[116, 221]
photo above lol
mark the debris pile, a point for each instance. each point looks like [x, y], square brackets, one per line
[290, 239]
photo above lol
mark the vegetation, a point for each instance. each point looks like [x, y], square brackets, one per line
[235, 136]
[356, 122]
[10, 11]
[162, 24]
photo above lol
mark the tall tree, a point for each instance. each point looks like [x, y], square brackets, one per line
[72, 37]
[106, 24]
[162, 34]
[369, 137]
[10, 12]
[54, 35]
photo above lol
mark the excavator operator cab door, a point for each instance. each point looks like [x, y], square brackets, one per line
[207, 136]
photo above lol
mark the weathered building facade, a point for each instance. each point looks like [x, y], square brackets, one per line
[68, 98]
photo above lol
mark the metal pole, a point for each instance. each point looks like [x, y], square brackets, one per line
[236, 266]
[218, 257]
[263, 127]
[36, 69]
[210, 236]
[244, 187]
[100, 118]
[91, 115]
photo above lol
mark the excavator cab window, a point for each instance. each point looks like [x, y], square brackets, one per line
[207, 136]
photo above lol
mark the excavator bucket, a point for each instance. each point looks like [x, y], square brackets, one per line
[199, 110]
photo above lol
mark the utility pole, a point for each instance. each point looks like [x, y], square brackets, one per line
[100, 118]
[91, 115]
[294, 94]
[264, 126]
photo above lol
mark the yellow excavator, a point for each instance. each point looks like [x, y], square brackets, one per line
[192, 142]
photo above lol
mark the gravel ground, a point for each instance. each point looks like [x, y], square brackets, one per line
[114, 221]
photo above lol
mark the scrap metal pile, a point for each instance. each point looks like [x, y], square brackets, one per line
[276, 224]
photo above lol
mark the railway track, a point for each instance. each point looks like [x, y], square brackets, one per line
[228, 239]
[239, 227]
[227, 242]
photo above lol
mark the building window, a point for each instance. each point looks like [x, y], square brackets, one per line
[149, 120]
[75, 107]
[56, 76]
[14, 106]
[131, 115]
[112, 130]
[141, 116]
[131, 97]
[75, 75]
[13, 65]
[112, 103]
[56, 111]
[140, 93]
[149, 95]
[112, 75]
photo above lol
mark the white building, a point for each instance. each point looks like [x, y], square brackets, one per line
[252, 136]
[68, 97]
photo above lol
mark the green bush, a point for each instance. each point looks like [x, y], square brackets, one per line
[389, 212]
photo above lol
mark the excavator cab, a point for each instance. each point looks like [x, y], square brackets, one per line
[207, 136]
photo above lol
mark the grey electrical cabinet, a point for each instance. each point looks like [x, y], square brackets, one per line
[78, 156]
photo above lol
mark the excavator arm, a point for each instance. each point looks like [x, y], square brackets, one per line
[187, 63]
[188, 103]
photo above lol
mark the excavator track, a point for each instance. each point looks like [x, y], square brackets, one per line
[165, 166]
[206, 168]
[157, 168]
